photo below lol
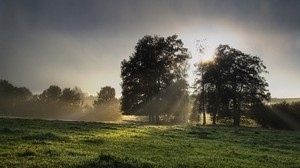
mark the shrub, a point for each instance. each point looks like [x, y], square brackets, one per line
[279, 116]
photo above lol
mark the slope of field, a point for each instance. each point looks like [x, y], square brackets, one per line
[40, 143]
[280, 100]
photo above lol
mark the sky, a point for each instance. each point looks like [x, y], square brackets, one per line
[82, 42]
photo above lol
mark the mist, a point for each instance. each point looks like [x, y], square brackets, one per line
[71, 105]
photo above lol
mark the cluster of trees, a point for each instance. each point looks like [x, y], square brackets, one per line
[154, 82]
[57, 103]
[230, 85]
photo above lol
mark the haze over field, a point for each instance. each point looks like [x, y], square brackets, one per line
[82, 43]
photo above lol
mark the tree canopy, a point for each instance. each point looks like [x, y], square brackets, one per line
[71, 96]
[107, 94]
[11, 96]
[231, 83]
[154, 72]
[52, 94]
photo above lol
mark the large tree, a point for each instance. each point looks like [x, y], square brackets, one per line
[232, 83]
[153, 75]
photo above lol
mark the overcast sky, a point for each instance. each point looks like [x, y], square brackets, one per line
[82, 42]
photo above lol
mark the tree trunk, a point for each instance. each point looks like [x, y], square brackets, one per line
[236, 113]
[156, 119]
[150, 119]
[214, 118]
[153, 119]
[216, 110]
[203, 105]
[237, 119]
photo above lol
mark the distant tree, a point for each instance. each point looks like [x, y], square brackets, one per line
[11, 97]
[52, 94]
[232, 82]
[7, 93]
[24, 94]
[157, 65]
[106, 95]
[281, 115]
[70, 96]
[106, 106]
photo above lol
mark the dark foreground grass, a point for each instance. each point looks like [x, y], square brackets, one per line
[40, 143]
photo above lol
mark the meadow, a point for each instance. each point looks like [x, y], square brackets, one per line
[45, 143]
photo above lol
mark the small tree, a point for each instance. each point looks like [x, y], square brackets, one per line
[107, 106]
[51, 95]
[70, 96]
[106, 95]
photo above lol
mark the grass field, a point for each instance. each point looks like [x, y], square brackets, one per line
[41, 143]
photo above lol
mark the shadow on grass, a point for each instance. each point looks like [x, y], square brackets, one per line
[9, 131]
[26, 153]
[109, 161]
[46, 137]
[93, 141]
[202, 134]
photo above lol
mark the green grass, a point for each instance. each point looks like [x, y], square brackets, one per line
[40, 143]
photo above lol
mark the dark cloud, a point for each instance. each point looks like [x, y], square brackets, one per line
[76, 42]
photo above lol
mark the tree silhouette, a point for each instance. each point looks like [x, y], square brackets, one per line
[11, 97]
[52, 94]
[232, 83]
[107, 106]
[157, 65]
[107, 94]
[70, 96]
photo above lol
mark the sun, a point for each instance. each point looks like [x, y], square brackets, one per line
[203, 54]
[207, 55]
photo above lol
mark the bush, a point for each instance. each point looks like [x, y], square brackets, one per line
[279, 116]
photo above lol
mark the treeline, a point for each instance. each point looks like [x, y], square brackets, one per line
[57, 103]
[229, 87]
[279, 116]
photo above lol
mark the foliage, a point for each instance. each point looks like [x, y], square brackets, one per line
[71, 96]
[280, 116]
[107, 94]
[106, 107]
[52, 94]
[156, 70]
[232, 83]
[12, 96]
[41, 143]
